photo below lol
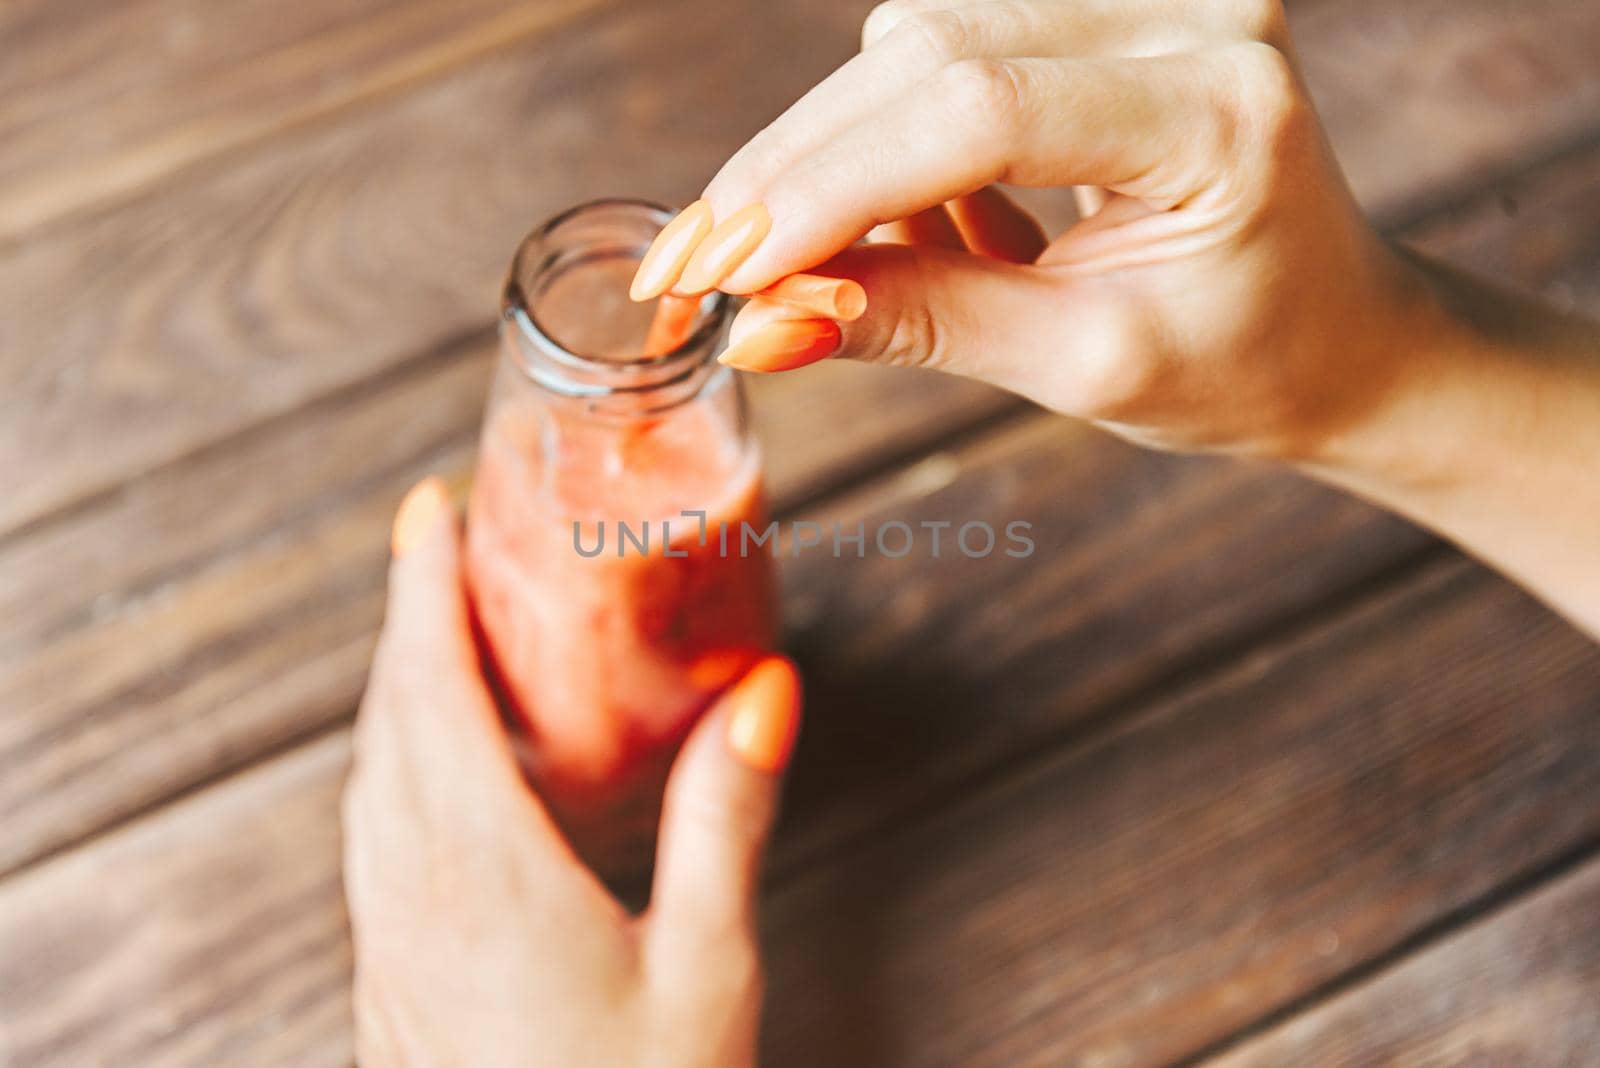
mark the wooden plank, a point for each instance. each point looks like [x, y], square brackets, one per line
[1132, 900]
[1145, 567]
[1128, 898]
[101, 100]
[305, 249]
[1538, 232]
[188, 955]
[1435, 99]
[155, 534]
[1517, 988]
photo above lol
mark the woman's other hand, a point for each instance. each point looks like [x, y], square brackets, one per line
[480, 940]
[1223, 290]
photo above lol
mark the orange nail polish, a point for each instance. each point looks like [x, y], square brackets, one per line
[757, 312]
[784, 345]
[421, 508]
[670, 328]
[764, 714]
[829, 298]
[671, 249]
[724, 249]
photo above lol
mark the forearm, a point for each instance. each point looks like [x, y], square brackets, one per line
[1491, 435]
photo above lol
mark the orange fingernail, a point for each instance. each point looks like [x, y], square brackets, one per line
[670, 328]
[724, 249]
[758, 312]
[784, 345]
[829, 298]
[421, 508]
[664, 259]
[764, 714]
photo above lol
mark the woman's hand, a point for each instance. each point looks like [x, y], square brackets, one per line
[1223, 292]
[480, 940]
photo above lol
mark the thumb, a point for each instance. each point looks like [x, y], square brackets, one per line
[431, 755]
[427, 696]
[926, 307]
[719, 807]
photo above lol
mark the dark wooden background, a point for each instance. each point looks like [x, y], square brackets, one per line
[1235, 771]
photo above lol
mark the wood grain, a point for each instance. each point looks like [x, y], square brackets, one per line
[1536, 232]
[1518, 988]
[102, 100]
[1475, 89]
[1130, 900]
[186, 954]
[1144, 568]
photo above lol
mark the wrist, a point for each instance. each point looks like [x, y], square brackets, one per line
[1429, 366]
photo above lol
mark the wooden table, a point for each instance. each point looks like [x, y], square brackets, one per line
[1234, 771]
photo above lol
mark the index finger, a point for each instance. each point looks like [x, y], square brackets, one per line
[1155, 128]
[904, 42]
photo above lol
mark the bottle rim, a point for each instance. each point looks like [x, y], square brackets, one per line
[606, 374]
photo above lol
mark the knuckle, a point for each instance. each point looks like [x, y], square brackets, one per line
[1260, 114]
[1254, 20]
[1117, 383]
[884, 18]
[917, 338]
[1118, 367]
[984, 96]
[1269, 100]
[942, 35]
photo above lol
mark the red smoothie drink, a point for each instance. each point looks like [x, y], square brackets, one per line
[610, 617]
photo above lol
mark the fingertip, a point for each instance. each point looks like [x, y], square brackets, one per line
[720, 803]
[851, 300]
[664, 260]
[879, 21]
[421, 511]
[803, 234]
[764, 267]
[757, 313]
[820, 296]
[784, 345]
[724, 251]
[671, 325]
[763, 714]
[994, 225]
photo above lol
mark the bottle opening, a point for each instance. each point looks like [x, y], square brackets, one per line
[567, 310]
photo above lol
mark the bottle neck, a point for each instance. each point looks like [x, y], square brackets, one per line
[570, 327]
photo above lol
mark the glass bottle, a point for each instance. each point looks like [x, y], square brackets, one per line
[612, 608]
